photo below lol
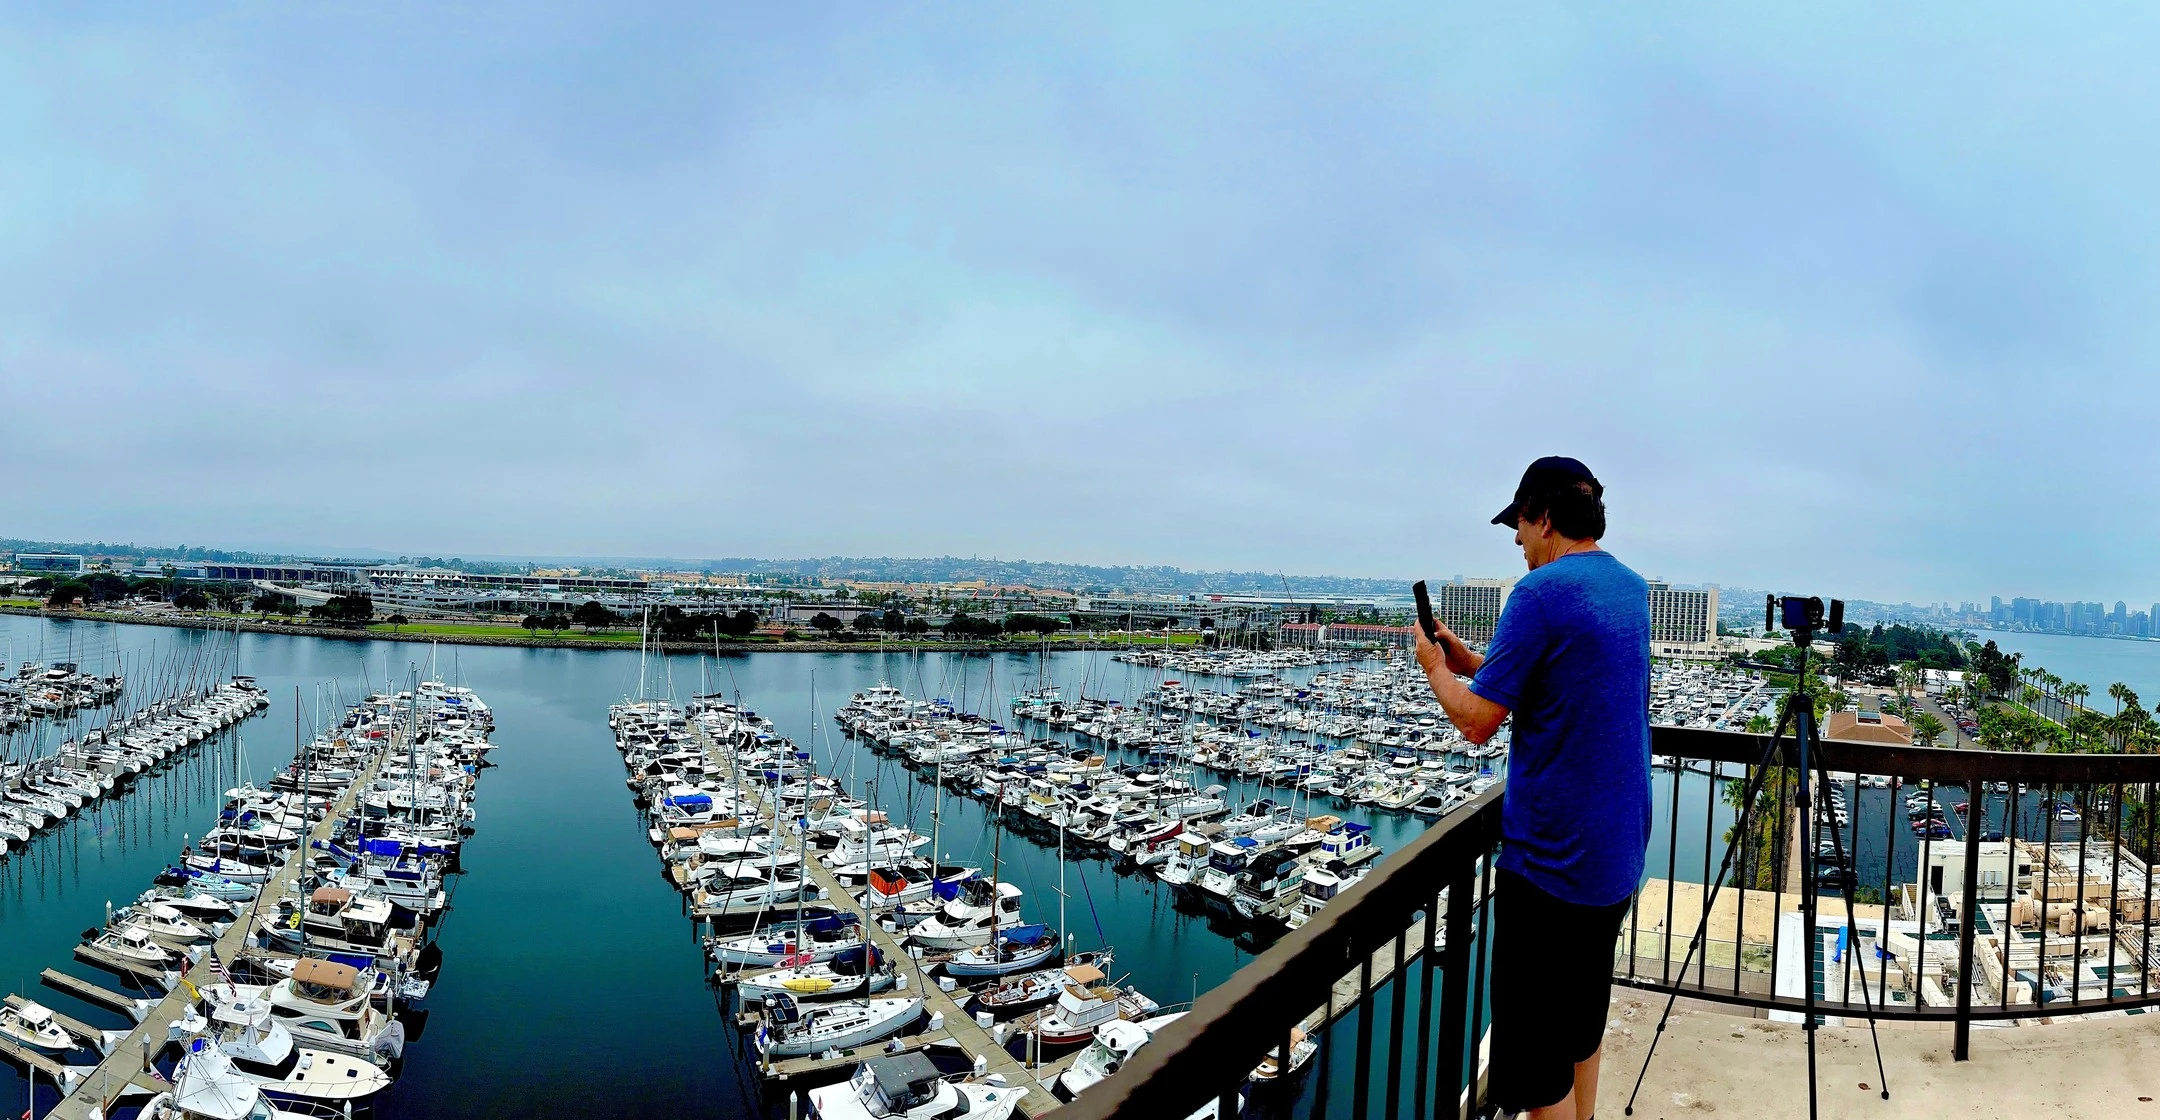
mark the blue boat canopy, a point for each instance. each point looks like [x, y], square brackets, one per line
[352, 961]
[849, 961]
[688, 801]
[1246, 842]
[832, 924]
[1024, 935]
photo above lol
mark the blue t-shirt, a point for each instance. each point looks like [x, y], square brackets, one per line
[1571, 659]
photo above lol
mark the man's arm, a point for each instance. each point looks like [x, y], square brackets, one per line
[1473, 715]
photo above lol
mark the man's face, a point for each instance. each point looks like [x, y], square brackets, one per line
[1535, 538]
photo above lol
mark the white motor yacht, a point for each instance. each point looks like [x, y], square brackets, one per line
[908, 1087]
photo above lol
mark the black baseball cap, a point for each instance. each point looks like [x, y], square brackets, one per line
[1548, 473]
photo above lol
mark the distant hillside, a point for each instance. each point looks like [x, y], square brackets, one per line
[1043, 573]
[1036, 573]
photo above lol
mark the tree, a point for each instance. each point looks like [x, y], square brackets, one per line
[396, 621]
[191, 598]
[892, 620]
[39, 586]
[1926, 729]
[824, 622]
[592, 616]
[532, 624]
[274, 602]
[866, 622]
[1032, 624]
[557, 621]
[354, 609]
[918, 626]
[104, 587]
[65, 595]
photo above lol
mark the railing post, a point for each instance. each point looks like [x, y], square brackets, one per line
[1455, 991]
[1961, 1045]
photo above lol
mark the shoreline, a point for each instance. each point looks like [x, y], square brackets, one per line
[727, 647]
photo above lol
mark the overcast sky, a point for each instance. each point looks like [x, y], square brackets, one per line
[1832, 302]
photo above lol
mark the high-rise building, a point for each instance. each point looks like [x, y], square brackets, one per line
[1471, 607]
[1682, 616]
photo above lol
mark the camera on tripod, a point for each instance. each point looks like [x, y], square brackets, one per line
[1802, 615]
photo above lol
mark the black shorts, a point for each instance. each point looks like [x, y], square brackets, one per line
[1552, 965]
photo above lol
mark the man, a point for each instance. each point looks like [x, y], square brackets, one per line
[1570, 659]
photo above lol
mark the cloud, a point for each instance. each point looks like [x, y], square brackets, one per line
[1841, 303]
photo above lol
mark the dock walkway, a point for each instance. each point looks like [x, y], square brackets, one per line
[956, 1027]
[123, 1069]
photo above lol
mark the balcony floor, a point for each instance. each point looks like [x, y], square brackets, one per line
[1715, 1063]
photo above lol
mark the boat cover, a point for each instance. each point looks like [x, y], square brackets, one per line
[833, 924]
[903, 1074]
[327, 974]
[849, 961]
[1023, 935]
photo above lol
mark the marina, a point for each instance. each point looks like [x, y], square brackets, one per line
[244, 953]
[557, 838]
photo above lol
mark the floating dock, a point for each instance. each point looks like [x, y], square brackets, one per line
[956, 1027]
[124, 1069]
[134, 1007]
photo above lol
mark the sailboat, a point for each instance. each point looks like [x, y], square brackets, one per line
[851, 971]
[791, 1031]
[1018, 948]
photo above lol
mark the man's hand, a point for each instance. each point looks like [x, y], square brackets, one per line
[1473, 715]
[1451, 651]
[1429, 656]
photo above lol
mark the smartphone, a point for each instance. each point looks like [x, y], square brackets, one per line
[1424, 613]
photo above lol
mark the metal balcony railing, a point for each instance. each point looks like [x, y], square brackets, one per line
[1986, 886]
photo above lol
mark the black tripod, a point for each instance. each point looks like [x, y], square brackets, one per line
[1802, 617]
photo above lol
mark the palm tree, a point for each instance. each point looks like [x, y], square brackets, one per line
[1926, 729]
[2076, 694]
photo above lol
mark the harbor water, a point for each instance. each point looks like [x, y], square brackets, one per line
[572, 984]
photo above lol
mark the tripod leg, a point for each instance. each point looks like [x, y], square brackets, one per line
[1740, 836]
[1837, 851]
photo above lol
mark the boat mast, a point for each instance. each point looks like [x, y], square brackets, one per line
[997, 840]
[868, 890]
[644, 628]
[1059, 933]
[303, 805]
[802, 832]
